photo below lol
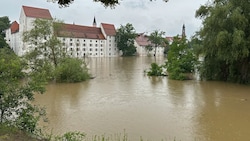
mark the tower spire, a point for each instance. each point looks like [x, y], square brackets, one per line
[183, 31]
[94, 22]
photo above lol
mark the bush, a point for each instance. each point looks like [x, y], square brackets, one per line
[72, 70]
[156, 70]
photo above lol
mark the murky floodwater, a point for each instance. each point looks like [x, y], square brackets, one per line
[122, 98]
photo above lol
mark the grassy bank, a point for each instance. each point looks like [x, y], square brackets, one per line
[13, 134]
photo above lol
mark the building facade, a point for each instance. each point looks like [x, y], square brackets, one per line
[77, 40]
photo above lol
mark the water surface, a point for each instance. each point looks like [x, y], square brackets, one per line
[122, 97]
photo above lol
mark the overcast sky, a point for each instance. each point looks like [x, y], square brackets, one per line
[144, 15]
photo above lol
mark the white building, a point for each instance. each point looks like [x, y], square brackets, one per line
[141, 41]
[78, 40]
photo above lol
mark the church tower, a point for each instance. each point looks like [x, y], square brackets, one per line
[183, 35]
[94, 22]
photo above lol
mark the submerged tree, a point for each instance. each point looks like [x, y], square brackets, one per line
[157, 40]
[225, 36]
[125, 38]
[181, 60]
[46, 53]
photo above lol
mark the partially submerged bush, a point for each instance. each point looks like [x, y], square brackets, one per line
[156, 70]
[71, 70]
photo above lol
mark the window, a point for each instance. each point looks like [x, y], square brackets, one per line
[63, 39]
[83, 40]
[84, 45]
[96, 41]
[90, 45]
[70, 39]
[101, 49]
[84, 49]
[70, 44]
[90, 40]
[71, 49]
[96, 45]
[90, 49]
[96, 49]
[77, 49]
[101, 45]
[63, 44]
[77, 44]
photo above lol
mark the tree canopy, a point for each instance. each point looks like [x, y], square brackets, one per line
[4, 24]
[47, 56]
[226, 40]
[125, 38]
[157, 40]
[106, 3]
[180, 59]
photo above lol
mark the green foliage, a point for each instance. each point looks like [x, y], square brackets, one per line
[16, 95]
[106, 3]
[4, 24]
[3, 42]
[43, 44]
[125, 37]
[71, 70]
[157, 40]
[180, 59]
[156, 70]
[225, 36]
[47, 60]
[71, 136]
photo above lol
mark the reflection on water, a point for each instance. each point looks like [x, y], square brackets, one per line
[123, 97]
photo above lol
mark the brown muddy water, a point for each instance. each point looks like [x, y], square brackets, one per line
[122, 97]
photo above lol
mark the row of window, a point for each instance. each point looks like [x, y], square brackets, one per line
[64, 39]
[77, 44]
[84, 49]
[89, 54]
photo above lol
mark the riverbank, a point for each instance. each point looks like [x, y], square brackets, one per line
[13, 134]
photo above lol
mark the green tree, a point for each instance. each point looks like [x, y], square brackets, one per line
[180, 59]
[225, 36]
[157, 40]
[43, 43]
[125, 38]
[16, 96]
[4, 24]
[47, 57]
[3, 42]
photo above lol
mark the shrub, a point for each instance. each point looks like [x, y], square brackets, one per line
[71, 70]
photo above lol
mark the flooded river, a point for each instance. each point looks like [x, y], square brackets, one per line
[122, 97]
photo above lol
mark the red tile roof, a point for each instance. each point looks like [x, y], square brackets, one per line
[14, 27]
[142, 40]
[170, 39]
[109, 29]
[78, 31]
[37, 12]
